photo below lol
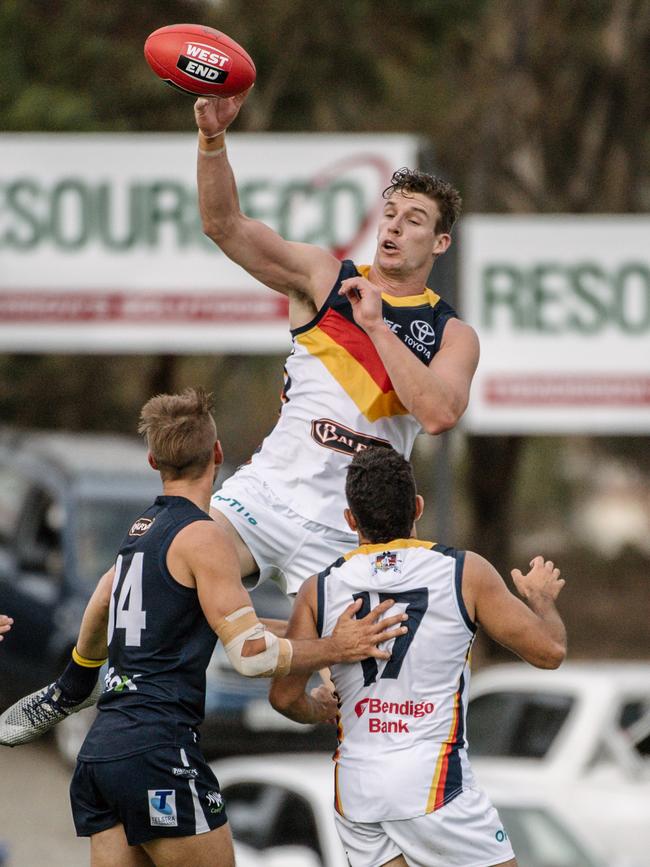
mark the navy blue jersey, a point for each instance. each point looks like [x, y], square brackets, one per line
[159, 644]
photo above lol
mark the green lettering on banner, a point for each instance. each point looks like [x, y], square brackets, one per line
[70, 214]
[335, 196]
[589, 284]
[547, 282]
[167, 205]
[632, 287]
[503, 290]
[106, 216]
[20, 201]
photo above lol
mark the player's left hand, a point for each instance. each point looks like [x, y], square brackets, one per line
[5, 624]
[325, 703]
[365, 299]
[358, 639]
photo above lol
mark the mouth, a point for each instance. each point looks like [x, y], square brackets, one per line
[389, 246]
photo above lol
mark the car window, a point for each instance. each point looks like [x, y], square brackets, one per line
[39, 546]
[101, 526]
[540, 841]
[515, 724]
[634, 719]
[13, 488]
[266, 815]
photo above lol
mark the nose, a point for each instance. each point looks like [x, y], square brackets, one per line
[394, 226]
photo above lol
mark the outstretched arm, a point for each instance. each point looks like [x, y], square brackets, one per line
[436, 394]
[533, 628]
[285, 266]
[206, 551]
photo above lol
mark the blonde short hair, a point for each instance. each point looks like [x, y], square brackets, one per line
[180, 432]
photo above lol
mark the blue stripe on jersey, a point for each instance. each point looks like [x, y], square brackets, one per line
[320, 583]
[459, 557]
[454, 780]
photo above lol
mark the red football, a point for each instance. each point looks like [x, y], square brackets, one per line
[199, 60]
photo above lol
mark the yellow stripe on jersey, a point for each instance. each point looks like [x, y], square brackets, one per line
[393, 545]
[351, 376]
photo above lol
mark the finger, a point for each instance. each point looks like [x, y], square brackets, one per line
[537, 561]
[379, 609]
[388, 635]
[549, 565]
[516, 574]
[376, 653]
[556, 572]
[386, 622]
[351, 610]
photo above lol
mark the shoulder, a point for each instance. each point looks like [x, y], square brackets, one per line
[460, 333]
[200, 534]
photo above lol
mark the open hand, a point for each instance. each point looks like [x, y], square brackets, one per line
[543, 577]
[358, 639]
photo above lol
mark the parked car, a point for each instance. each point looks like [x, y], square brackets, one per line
[578, 737]
[66, 501]
[280, 810]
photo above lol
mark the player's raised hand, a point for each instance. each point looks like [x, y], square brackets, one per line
[543, 578]
[5, 624]
[365, 299]
[357, 639]
[214, 115]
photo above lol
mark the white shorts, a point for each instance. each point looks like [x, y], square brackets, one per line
[286, 547]
[467, 832]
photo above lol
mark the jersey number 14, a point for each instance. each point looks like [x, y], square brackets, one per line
[127, 613]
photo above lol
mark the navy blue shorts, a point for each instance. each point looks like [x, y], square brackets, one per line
[167, 792]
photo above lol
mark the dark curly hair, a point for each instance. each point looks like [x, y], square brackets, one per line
[446, 197]
[380, 489]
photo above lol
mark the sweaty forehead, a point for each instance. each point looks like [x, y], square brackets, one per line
[405, 201]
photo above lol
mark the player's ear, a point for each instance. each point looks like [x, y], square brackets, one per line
[218, 454]
[419, 506]
[152, 461]
[441, 244]
[351, 520]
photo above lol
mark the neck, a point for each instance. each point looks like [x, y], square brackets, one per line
[396, 283]
[198, 491]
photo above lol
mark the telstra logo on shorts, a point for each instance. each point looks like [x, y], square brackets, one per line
[399, 708]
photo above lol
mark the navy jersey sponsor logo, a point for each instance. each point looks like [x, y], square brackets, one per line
[332, 435]
[141, 526]
[185, 773]
[215, 802]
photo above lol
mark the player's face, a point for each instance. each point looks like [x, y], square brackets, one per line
[407, 238]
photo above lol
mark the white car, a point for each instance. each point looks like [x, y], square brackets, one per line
[280, 810]
[578, 738]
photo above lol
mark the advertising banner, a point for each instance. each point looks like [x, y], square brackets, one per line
[562, 308]
[101, 246]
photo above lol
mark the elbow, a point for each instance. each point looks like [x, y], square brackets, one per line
[553, 656]
[442, 420]
[218, 229]
[277, 699]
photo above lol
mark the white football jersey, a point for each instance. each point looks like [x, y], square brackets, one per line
[338, 399]
[402, 746]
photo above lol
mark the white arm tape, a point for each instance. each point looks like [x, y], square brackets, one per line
[241, 626]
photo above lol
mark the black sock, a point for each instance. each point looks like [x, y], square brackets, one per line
[77, 681]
